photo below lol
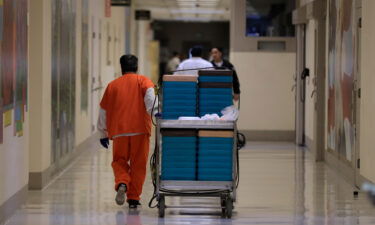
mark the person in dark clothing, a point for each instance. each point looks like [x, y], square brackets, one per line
[219, 63]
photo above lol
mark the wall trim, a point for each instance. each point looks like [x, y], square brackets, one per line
[347, 172]
[361, 180]
[309, 144]
[269, 135]
[8, 208]
[38, 180]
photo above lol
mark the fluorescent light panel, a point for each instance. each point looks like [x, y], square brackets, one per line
[196, 1]
[197, 11]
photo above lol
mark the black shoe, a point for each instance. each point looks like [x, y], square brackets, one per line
[120, 197]
[133, 204]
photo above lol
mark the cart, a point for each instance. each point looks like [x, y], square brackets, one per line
[225, 190]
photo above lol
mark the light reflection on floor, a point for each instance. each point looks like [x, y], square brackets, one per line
[280, 184]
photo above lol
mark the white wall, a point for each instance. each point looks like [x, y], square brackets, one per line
[40, 85]
[14, 162]
[144, 36]
[367, 108]
[40, 73]
[113, 28]
[310, 63]
[82, 121]
[267, 102]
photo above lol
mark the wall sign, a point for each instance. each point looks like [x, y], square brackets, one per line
[121, 2]
[142, 14]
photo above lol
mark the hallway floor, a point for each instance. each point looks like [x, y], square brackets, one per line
[279, 185]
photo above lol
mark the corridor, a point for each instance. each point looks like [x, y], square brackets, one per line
[279, 184]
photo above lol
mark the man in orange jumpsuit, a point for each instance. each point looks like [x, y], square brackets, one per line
[125, 118]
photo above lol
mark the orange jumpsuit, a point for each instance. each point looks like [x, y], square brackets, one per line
[129, 126]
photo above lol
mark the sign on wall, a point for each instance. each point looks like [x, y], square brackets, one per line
[121, 2]
[142, 15]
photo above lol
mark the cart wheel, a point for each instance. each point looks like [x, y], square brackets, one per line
[161, 206]
[223, 206]
[229, 207]
[223, 210]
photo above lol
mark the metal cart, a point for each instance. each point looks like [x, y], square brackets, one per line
[225, 190]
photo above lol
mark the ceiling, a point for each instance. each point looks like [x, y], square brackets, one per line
[186, 10]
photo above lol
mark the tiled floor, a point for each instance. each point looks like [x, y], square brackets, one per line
[280, 184]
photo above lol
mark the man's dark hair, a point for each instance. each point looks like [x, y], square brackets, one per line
[220, 49]
[129, 63]
[175, 53]
[196, 51]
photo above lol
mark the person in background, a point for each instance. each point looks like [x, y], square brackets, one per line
[219, 63]
[125, 118]
[195, 62]
[173, 63]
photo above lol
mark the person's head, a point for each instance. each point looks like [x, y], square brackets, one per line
[129, 63]
[217, 54]
[175, 54]
[196, 51]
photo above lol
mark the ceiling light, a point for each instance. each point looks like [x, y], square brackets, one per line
[197, 11]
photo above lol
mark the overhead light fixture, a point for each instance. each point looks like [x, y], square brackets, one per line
[198, 1]
[197, 11]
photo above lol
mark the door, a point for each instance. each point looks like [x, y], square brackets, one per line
[357, 96]
[300, 84]
[95, 72]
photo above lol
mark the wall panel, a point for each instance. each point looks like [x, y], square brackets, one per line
[63, 77]
[341, 60]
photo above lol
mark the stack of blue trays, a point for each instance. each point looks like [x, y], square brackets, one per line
[215, 91]
[179, 99]
[179, 155]
[215, 158]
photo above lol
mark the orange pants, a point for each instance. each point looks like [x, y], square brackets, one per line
[130, 156]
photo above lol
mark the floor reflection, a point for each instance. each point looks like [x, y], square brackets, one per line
[280, 184]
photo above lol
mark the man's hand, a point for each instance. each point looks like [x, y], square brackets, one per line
[104, 142]
[236, 97]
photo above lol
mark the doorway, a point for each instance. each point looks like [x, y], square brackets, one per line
[300, 84]
[95, 71]
[357, 96]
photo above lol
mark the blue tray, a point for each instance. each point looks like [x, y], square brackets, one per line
[179, 102]
[215, 91]
[181, 97]
[218, 79]
[172, 91]
[176, 84]
[209, 97]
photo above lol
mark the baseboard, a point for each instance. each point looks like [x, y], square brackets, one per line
[38, 180]
[269, 135]
[362, 180]
[343, 168]
[12, 204]
[312, 148]
[309, 144]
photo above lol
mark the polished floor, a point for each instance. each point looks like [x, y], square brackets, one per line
[280, 184]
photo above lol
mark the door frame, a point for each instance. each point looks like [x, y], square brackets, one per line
[95, 70]
[320, 83]
[300, 84]
[315, 10]
[357, 96]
